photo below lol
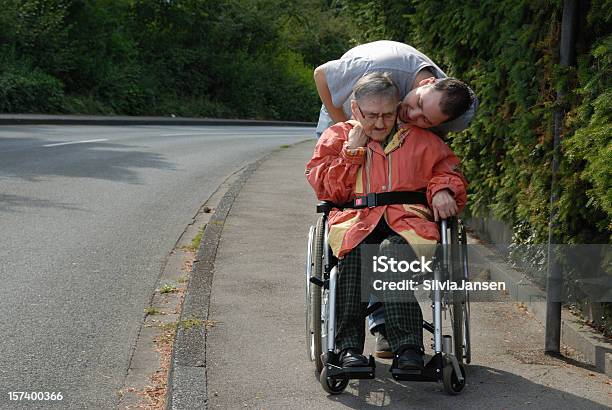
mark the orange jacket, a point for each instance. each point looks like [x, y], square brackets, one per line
[413, 160]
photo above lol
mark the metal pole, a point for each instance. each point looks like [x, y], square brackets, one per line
[554, 278]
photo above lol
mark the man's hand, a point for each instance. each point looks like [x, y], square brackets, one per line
[443, 204]
[357, 137]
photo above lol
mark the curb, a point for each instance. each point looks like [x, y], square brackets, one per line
[34, 119]
[595, 348]
[187, 378]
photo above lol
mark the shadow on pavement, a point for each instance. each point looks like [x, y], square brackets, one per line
[12, 203]
[486, 388]
[28, 159]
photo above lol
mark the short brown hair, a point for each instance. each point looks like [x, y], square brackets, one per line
[457, 97]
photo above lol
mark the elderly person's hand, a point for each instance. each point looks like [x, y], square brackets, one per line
[357, 137]
[443, 204]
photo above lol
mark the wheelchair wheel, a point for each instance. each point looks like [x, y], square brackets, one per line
[467, 353]
[459, 301]
[451, 384]
[332, 386]
[313, 296]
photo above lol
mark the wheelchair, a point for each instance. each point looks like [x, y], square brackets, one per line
[451, 352]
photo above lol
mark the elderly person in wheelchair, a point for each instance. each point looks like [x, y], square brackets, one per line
[377, 159]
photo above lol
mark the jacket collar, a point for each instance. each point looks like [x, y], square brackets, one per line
[396, 141]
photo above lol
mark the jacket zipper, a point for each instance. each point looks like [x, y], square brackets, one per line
[368, 165]
[388, 187]
[389, 169]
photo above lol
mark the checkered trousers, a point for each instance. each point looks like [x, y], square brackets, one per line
[403, 318]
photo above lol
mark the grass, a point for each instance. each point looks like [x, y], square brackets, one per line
[195, 242]
[190, 323]
[167, 288]
[152, 311]
[184, 324]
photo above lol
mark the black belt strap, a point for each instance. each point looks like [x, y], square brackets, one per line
[387, 198]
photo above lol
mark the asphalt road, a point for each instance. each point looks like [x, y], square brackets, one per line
[88, 215]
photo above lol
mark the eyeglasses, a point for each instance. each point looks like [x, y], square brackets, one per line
[373, 116]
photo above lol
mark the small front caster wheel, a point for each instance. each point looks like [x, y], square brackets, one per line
[332, 386]
[452, 385]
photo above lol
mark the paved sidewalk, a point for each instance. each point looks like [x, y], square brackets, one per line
[256, 349]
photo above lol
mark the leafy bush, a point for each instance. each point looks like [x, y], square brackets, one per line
[508, 51]
[30, 91]
[589, 150]
[238, 58]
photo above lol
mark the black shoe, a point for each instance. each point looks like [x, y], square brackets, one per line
[352, 358]
[409, 359]
[382, 350]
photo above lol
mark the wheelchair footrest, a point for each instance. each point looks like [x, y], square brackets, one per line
[432, 372]
[366, 372]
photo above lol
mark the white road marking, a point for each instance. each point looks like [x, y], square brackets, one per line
[74, 142]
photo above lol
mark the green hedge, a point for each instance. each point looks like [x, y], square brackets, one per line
[508, 50]
[25, 91]
[211, 58]
[588, 151]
